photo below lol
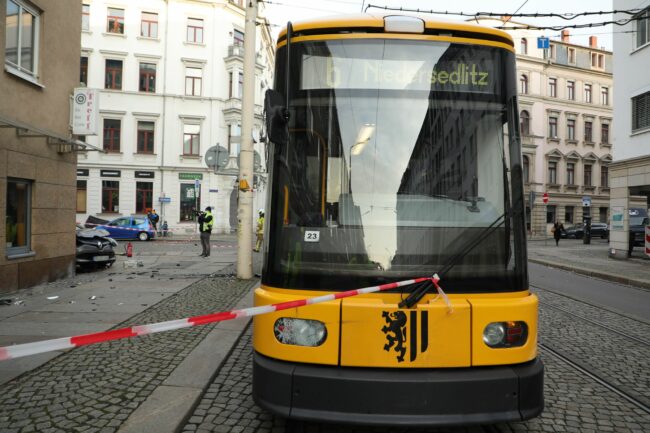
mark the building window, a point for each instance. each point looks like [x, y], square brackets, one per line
[568, 214]
[147, 77]
[552, 172]
[602, 214]
[193, 78]
[110, 196]
[115, 21]
[550, 214]
[524, 46]
[604, 176]
[523, 84]
[642, 28]
[82, 195]
[588, 93]
[526, 164]
[191, 139]
[85, 17]
[571, 90]
[112, 129]
[604, 96]
[571, 129]
[145, 137]
[552, 87]
[234, 137]
[18, 216]
[195, 30]
[524, 119]
[597, 60]
[83, 71]
[551, 51]
[587, 174]
[149, 25]
[238, 38]
[190, 201]
[572, 56]
[570, 173]
[230, 85]
[143, 197]
[113, 79]
[589, 132]
[552, 127]
[22, 25]
[641, 111]
[604, 133]
[240, 85]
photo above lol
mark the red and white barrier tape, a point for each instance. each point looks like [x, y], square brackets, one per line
[26, 349]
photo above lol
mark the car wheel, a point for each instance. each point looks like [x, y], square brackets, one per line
[143, 236]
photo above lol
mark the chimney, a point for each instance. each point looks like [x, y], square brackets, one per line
[593, 42]
[565, 35]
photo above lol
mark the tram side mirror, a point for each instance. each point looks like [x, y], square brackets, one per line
[277, 117]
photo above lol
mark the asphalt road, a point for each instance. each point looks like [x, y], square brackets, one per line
[628, 300]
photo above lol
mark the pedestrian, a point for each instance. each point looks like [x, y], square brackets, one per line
[558, 228]
[206, 221]
[260, 231]
[154, 218]
[164, 228]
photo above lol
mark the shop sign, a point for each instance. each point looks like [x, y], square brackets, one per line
[190, 176]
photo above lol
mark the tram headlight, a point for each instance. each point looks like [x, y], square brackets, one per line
[505, 334]
[300, 332]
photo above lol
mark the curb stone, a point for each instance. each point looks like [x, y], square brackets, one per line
[595, 274]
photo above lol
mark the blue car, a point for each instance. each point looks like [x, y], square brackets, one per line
[130, 227]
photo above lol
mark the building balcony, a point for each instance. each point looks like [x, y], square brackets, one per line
[236, 55]
[233, 107]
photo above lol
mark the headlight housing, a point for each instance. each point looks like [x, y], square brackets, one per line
[300, 332]
[505, 334]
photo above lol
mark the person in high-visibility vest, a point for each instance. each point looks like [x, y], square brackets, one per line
[260, 231]
[206, 221]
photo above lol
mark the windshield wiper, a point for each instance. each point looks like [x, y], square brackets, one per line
[418, 293]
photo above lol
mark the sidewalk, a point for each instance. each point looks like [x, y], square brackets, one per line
[148, 383]
[592, 260]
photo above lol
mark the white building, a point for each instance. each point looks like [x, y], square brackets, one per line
[630, 170]
[170, 74]
[565, 106]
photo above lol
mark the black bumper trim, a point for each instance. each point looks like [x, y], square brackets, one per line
[415, 397]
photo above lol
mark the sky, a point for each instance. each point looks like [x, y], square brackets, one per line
[280, 11]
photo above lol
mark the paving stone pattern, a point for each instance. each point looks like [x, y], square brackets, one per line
[95, 388]
[622, 362]
[574, 403]
[621, 323]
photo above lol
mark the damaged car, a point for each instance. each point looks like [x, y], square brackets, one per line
[94, 247]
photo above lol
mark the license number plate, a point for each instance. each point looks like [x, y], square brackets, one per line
[100, 258]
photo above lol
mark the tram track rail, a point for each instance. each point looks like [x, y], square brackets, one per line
[595, 377]
[591, 304]
[596, 323]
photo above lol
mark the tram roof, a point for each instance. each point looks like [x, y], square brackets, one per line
[373, 22]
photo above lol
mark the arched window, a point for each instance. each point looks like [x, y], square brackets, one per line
[526, 172]
[523, 84]
[524, 119]
[524, 46]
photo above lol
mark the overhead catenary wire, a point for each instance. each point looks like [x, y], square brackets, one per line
[568, 16]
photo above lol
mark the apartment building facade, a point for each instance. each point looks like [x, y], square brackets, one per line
[631, 166]
[170, 80]
[565, 107]
[37, 159]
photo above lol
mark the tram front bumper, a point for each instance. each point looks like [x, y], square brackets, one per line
[414, 397]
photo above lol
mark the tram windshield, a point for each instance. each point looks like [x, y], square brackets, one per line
[397, 158]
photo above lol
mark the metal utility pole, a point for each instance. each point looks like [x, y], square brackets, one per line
[245, 204]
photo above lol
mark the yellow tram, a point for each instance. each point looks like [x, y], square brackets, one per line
[394, 154]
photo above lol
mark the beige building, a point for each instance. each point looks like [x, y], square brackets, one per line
[565, 106]
[39, 47]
